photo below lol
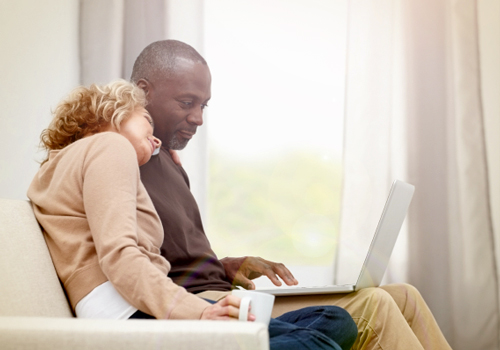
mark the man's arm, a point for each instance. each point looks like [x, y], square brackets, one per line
[240, 271]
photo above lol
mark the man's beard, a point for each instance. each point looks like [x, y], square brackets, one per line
[177, 144]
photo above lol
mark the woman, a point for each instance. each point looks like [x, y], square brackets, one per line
[103, 232]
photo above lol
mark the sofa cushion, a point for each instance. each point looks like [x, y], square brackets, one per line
[29, 283]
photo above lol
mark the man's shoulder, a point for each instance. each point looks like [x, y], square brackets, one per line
[161, 169]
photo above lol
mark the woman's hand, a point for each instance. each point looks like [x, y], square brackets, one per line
[226, 309]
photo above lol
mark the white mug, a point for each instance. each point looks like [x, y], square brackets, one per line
[261, 305]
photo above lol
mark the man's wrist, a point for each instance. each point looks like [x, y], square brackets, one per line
[231, 266]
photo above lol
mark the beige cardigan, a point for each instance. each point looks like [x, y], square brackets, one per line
[100, 224]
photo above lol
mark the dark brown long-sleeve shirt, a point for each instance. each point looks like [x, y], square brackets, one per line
[194, 265]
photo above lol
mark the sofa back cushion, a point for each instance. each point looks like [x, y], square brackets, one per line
[29, 285]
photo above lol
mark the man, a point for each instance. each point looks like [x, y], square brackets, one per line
[177, 83]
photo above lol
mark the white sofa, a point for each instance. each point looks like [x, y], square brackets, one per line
[35, 314]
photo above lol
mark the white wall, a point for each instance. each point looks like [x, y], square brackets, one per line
[38, 67]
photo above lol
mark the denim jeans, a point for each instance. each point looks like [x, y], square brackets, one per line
[315, 327]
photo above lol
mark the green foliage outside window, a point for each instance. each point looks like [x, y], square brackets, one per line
[284, 208]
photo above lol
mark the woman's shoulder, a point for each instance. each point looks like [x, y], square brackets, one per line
[107, 145]
[108, 140]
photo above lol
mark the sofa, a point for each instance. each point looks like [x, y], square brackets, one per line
[35, 314]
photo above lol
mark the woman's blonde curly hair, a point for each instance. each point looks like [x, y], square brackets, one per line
[87, 109]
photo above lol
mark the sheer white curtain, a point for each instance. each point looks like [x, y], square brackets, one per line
[114, 32]
[414, 111]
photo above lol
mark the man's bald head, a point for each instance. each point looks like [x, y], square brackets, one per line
[162, 59]
[177, 83]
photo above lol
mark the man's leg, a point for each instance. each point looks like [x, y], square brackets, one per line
[417, 314]
[380, 321]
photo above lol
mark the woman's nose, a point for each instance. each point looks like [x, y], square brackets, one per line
[157, 142]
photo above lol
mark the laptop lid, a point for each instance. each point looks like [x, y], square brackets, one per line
[386, 234]
[379, 252]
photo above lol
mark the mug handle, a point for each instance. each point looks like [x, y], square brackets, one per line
[244, 305]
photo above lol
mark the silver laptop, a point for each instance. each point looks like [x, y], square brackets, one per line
[380, 250]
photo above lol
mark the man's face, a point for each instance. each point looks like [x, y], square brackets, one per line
[176, 104]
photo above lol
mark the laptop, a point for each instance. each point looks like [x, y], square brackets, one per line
[380, 250]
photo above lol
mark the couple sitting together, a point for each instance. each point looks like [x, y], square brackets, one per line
[125, 232]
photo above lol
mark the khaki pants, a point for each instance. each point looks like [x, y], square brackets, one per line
[391, 317]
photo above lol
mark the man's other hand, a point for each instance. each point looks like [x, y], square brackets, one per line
[240, 271]
[175, 156]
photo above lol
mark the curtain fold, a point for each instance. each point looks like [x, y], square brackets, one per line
[413, 84]
[101, 40]
[373, 147]
[113, 33]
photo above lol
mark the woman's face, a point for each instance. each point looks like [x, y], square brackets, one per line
[138, 129]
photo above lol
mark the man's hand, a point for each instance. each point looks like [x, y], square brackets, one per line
[240, 271]
[226, 309]
[175, 156]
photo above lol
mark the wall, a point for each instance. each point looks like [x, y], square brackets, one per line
[38, 67]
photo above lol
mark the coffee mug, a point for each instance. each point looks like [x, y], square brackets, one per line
[261, 305]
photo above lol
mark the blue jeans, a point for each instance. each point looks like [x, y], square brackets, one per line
[314, 327]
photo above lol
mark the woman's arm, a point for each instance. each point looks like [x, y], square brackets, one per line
[127, 233]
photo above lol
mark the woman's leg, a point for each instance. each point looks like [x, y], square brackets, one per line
[287, 336]
[333, 321]
[141, 315]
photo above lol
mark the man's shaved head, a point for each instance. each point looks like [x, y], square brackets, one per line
[177, 83]
[162, 58]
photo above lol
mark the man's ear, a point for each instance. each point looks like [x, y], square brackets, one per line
[144, 85]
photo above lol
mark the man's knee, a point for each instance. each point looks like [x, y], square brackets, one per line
[402, 293]
[376, 297]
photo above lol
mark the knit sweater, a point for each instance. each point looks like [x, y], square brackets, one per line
[100, 224]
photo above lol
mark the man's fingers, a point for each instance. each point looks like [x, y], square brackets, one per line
[275, 270]
[175, 157]
[272, 276]
[250, 267]
[241, 280]
[286, 275]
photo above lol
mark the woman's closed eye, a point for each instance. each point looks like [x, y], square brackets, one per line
[150, 120]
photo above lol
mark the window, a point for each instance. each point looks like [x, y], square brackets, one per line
[275, 126]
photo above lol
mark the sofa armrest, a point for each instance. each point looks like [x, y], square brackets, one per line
[71, 333]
